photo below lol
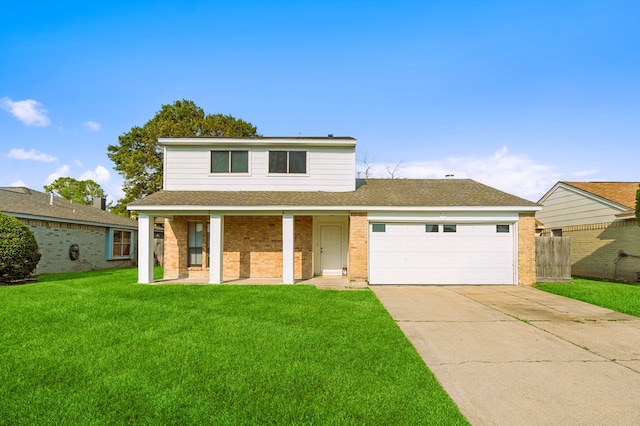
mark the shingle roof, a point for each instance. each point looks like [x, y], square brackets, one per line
[27, 202]
[623, 193]
[369, 193]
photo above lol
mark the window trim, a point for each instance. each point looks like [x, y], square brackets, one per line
[111, 241]
[288, 161]
[229, 162]
[378, 227]
[435, 226]
[450, 228]
[190, 247]
[500, 228]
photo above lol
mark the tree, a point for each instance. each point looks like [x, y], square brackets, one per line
[78, 191]
[394, 170]
[19, 252]
[138, 157]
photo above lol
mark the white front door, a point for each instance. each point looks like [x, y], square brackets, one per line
[331, 249]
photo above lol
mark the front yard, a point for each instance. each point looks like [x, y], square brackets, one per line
[623, 298]
[95, 348]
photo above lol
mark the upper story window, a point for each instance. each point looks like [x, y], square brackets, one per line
[229, 161]
[287, 161]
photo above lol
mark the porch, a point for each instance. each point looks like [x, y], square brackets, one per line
[260, 248]
[320, 282]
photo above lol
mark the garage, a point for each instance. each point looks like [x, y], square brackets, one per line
[441, 253]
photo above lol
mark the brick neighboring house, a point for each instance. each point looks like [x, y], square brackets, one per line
[291, 208]
[104, 240]
[600, 219]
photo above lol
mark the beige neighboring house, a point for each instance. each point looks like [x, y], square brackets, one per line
[600, 219]
[291, 208]
[72, 237]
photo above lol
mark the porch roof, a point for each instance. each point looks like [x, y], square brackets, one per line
[369, 193]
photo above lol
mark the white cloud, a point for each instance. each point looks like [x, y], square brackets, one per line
[29, 111]
[78, 163]
[100, 175]
[18, 183]
[62, 171]
[21, 154]
[92, 125]
[512, 173]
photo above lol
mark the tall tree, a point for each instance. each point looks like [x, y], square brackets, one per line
[138, 158]
[78, 191]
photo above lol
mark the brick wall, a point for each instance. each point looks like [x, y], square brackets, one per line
[594, 250]
[55, 238]
[526, 249]
[358, 248]
[252, 247]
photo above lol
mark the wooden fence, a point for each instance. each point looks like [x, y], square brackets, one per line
[553, 259]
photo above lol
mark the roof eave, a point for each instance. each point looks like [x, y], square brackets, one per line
[301, 141]
[74, 221]
[193, 208]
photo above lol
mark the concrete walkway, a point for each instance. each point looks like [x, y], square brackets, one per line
[510, 355]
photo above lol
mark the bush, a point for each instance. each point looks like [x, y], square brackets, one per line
[19, 252]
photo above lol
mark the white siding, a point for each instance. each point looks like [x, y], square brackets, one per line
[328, 169]
[564, 207]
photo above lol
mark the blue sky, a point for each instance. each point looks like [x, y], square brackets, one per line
[514, 94]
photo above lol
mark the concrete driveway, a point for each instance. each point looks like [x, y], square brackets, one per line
[510, 355]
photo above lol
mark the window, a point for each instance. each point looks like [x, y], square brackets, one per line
[556, 232]
[378, 227]
[502, 228]
[229, 161]
[431, 228]
[195, 244]
[120, 244]
[287, 161]
[449, 228]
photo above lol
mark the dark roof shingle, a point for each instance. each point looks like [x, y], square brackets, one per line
[28, 202]
[369, 193]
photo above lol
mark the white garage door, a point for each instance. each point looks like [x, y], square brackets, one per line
[413, 253]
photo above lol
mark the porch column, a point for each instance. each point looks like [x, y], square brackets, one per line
[287, 249]
[145, 248]
[216, 241]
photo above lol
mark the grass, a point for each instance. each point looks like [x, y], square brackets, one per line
[623, 298]
[95, 348]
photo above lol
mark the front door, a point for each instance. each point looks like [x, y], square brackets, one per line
[331, 249]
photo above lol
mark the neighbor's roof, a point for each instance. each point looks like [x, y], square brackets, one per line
[27, 203]
[369, 193]
[623, 193]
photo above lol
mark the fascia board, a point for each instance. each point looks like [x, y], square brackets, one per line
[328, 142]
[176, 210]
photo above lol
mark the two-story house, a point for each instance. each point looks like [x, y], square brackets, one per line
[291, 208]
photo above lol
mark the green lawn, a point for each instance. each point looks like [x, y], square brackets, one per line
[96, 348]
[618, 297]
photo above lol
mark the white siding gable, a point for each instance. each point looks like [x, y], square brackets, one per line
[567, 207]
[330, 165]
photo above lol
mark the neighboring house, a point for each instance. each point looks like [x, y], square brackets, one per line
[600, 219]
[102, 239]
[291, 208]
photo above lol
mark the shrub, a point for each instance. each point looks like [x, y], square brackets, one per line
[19, 252]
